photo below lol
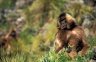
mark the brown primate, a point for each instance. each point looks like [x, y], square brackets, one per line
[70, 36]
[5, 40]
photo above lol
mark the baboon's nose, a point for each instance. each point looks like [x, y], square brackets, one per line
[69, 49]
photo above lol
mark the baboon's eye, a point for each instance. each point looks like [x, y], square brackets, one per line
[63, 22]
[62, 18]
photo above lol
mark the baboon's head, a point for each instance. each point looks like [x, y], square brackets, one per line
[65, 21]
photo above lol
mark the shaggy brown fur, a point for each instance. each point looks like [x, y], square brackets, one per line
[70, 36]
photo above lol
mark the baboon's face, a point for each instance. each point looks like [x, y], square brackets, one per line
[66, 21]
[62, 21]
[63, 24]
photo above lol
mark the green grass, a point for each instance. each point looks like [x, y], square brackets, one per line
[17, 57]
[63, 57]
[51, 56]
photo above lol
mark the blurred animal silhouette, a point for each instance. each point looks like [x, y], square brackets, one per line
[5, 40]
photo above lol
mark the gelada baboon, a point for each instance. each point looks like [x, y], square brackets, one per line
[70, 36]
[5, 40]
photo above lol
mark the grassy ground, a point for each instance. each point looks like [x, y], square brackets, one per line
[21, 56]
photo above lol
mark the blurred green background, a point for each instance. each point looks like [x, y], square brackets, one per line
[36, 20]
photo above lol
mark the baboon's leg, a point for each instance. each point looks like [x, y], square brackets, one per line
[8, 48]
[72, 54]
[58, 46]
[85, 48]
[72, 44]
